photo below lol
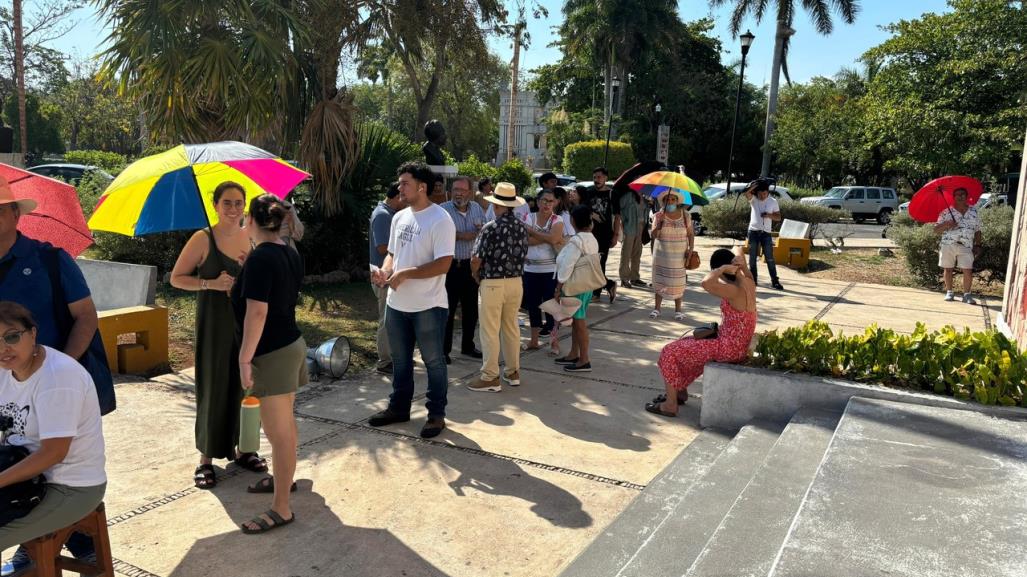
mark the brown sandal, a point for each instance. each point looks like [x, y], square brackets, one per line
[204, 477]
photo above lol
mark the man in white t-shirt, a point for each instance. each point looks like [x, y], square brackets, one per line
[421, 245]
[763, 213]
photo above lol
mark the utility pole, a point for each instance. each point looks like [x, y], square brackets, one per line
[783, 32]
[518, 28]
[19, 76]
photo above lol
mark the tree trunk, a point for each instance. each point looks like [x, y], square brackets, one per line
[515, 72]
[783, 32]
[19, 76]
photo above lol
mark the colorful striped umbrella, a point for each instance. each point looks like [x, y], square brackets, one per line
[657, 184]
[174, 190]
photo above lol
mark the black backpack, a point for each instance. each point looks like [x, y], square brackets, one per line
[18, 499]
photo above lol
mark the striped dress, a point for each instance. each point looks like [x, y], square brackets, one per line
[669, 256]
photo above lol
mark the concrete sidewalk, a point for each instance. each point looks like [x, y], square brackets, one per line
[519, 484]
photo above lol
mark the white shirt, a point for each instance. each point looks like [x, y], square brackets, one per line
[568, 226]
[579, 244]
[415, 239]
[57, 401]
[541, 257]
[968, 224]
[758, 207]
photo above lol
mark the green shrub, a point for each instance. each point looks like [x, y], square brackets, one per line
[580, 158]
[729, 219]
[112, 162]
[901, 219]
[476, 168]
[982, 366]
[920, 244]
[89, 189]
[514, 172]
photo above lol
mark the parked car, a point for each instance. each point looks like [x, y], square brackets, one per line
[864, 202]
[987, 200]
[70, 173]
[717, 192]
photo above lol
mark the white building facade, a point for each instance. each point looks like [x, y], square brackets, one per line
[529, 128]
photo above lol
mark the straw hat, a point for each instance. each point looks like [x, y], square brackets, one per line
[505, 194]
[25, 205]
[562, 310]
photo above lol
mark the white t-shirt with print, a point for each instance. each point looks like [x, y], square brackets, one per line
[769, 206]
[415, 239]
[58, 400]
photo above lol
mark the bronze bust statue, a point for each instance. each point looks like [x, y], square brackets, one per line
[432, 148]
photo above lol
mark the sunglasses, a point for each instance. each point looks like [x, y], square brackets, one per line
[14, 337]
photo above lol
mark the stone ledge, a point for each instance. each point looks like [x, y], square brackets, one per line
[733, 395]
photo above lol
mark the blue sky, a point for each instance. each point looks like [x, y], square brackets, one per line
[811, 53]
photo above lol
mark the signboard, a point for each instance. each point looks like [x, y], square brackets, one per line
[663, 144]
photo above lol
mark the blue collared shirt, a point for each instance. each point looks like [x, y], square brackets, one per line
[378, 233]
[469, 221]
[28, 284]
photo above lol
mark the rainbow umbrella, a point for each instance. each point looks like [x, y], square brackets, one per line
[174, 190]
[657, 184]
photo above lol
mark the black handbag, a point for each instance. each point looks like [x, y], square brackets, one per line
[709, 331]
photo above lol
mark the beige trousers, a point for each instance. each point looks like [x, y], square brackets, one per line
[500, 298]
[384, 355]
[631, 257]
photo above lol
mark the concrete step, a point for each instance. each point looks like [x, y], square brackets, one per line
[750, 535]
[615, 546]
[673, 546]
[913, 491]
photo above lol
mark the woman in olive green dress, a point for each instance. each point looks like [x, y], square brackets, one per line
[209, 264]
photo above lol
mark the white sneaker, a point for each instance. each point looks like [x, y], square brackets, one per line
[949, 296]
[968, 299]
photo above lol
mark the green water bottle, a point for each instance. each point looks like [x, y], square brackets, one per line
[249, 425]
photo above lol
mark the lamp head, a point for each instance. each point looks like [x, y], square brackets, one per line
[746, 39]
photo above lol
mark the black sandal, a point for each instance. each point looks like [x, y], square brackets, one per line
[251, 462]
[204, 478]
[267, 485]
[663, 397]
[263, 526]
[655, 409]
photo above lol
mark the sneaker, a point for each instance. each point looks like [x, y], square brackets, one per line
[20, 560]
[949, 296]
[387, 417]
[513, 379]
[585, 368]
[625, 284]
[481, 385]
[777, 285]
[640, 282]
[565, 361]
[968, 299]
[432, 427]
[384, 369]
[473, 353]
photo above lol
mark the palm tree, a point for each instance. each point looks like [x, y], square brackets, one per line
[228, 70]
[19, 74]
[819, 11]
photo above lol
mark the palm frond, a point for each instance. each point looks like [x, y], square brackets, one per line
[329, 148]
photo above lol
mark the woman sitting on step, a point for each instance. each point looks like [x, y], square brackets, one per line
[49, 407]
[683, 361]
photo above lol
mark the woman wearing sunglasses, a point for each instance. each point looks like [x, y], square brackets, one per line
[50, 403]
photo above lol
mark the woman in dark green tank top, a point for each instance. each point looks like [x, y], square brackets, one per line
[209, 264]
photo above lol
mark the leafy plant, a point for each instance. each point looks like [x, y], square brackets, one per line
[726, 218]
[581, 158]
[476, 168]
[982, 366]
[112, 162]
[514, 172]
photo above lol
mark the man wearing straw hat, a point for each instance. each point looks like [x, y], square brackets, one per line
[497, 263]
[25, 279]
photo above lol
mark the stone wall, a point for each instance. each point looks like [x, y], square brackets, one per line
[1013, 320]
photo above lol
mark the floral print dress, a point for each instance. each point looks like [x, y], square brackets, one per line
[682, 361]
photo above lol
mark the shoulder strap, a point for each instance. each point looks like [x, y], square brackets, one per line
[61, 314]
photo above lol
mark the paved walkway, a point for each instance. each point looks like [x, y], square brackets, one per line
[519, 484]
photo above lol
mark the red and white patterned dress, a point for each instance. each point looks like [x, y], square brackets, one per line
[682, 361]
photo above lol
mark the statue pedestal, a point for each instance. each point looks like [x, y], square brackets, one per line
[446, 170]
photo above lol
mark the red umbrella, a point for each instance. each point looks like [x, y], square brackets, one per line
[58, 219]
[936, 196]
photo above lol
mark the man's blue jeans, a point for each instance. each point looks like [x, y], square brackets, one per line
[758, 238]
[428, 330]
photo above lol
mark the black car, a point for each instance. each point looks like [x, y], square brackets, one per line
[70, 173]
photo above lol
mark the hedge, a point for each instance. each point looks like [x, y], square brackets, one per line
[581, 158]
[919, 245]
[112, 162]
[514, 172]
[726, 218]
[983, 366]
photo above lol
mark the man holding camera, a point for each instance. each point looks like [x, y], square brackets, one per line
[763, 213]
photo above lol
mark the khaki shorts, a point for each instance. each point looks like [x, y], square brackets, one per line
[281, 371]
[956, 256]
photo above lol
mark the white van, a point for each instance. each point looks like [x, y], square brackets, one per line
[864, 202]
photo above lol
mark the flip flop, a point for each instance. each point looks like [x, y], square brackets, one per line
[267, 485]
[679, 316]
[263, 526]
[655, 409]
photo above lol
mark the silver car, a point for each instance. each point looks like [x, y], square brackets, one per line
[864, 202]
[716, 192]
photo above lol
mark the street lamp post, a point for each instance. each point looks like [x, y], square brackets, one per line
[746, 40]
[614, 84]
